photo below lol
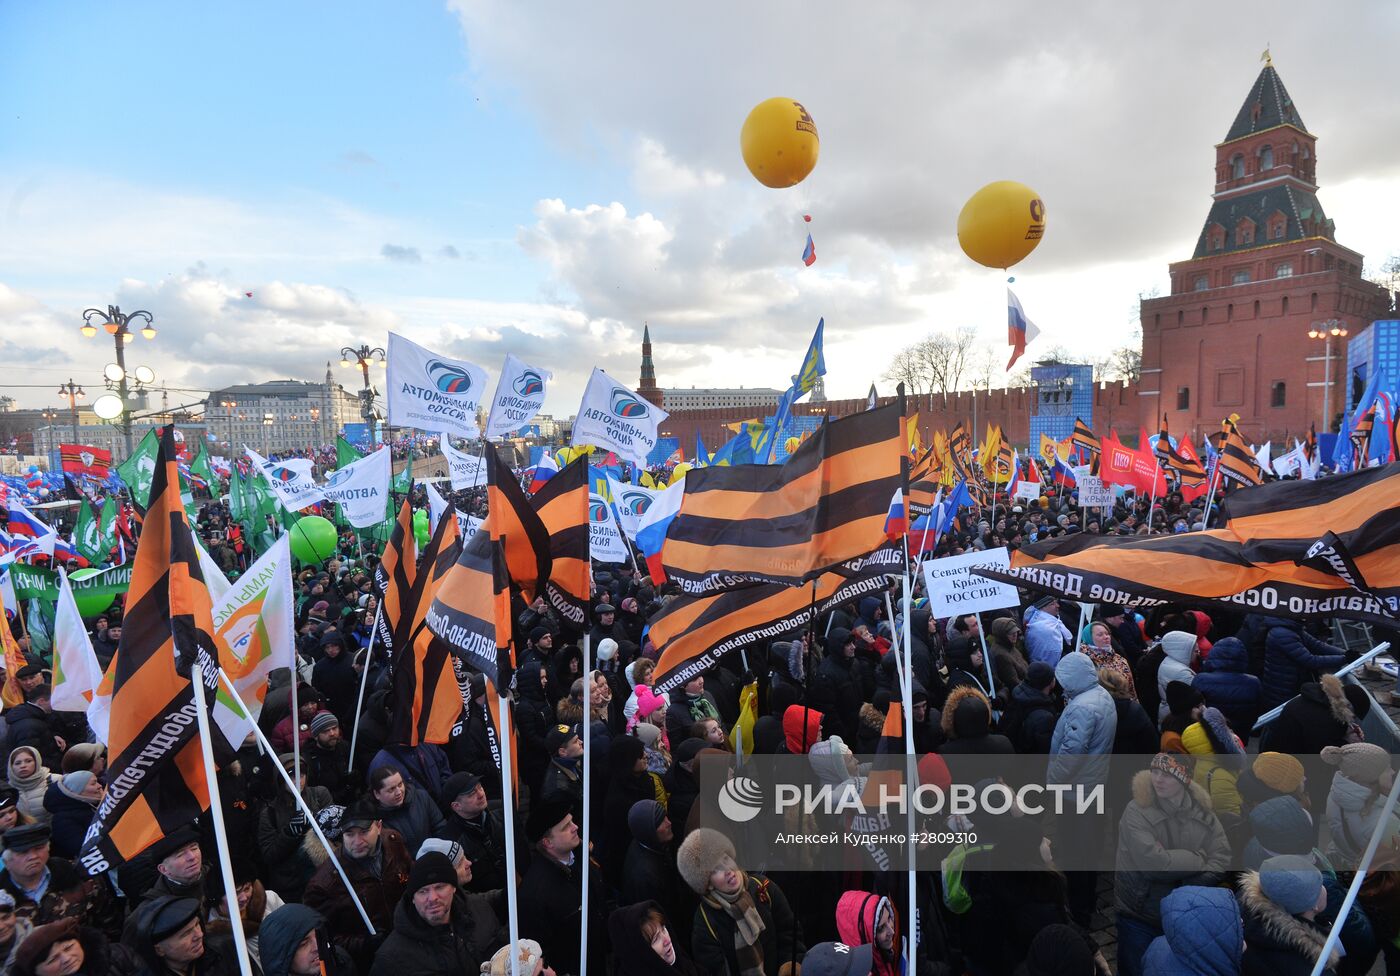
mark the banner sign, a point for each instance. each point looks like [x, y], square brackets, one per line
[953, 587]
[432, 392]
[291, 480]
[37, 583]
[465, 470]
[1093, 493]
[604, 541]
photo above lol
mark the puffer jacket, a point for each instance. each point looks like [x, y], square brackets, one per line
[1219, 773]
[1086, 727]
[1353, 811]
[1178, 648]
[1277, 943]
[856, 915]
[1161, 849]
[416, 947]
[1226, 683]
[1291, 655]
[417, 819]
[1204, 935]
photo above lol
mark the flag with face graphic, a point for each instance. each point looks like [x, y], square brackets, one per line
[433, 392]
[254, 627]
[614, 418]
[519, 396]
[290, 480]
[361, 489]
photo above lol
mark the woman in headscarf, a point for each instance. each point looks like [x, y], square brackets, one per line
[642, 943]
[30, 779]
[1096, 640]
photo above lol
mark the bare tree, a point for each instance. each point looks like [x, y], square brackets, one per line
[948, 356]
[907, 367]
[1388, 277]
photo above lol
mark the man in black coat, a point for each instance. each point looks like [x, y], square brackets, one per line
[29, 725]
[1030, 721]
[649, 870]
[334, 676]
[433, 932]
[550, 892]
[834, 688]
[326, 757]
[479, 831]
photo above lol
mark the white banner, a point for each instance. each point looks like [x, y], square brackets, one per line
[291, 481]
[76, 674]
[1027, 488]
[436, 506]
[953, 587]
[1292, 462]
[519, 397]
[465, 470]
[614, 418]
[254, 626]
[604, 541]
[632, 503]
[361, 488]
[1093, 493]
[432, 392]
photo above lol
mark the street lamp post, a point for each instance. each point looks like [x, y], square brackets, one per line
[228, 406]
[73, 392]
[118, 325]
[1327, 331]
[51, 440]
[363, 357]
[268, 421]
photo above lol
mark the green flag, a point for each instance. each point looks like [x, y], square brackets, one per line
[137, 470]
[107, 528]
[403, 481]
[40, 628]
[87, 537]
[345, 452]
[235, 495]
[201, 468]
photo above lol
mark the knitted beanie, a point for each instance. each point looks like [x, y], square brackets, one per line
[1360, 762]
[1278, 771]
[1173, 766]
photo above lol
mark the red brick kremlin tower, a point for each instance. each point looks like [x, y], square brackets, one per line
[646, 387]
[1232, 337]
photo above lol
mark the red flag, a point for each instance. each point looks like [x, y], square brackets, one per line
[1136, 469]
[80, 459]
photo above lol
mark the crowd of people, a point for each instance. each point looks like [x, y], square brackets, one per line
[1229, 859]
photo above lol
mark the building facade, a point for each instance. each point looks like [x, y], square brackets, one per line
[712, 397]
[1063, 391]
[281, 414]
[1232, 337]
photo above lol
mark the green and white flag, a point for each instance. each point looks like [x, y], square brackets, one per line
[201, 468]
[403, 481]
[107, 528]
[76, 674]
[254, 627]
[87, 535]
[137, 470]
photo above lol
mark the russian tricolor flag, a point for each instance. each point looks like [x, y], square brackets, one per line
[809, 253]
[897, 521]
[1020, 331]
[653, 525]
[1015, 475]
[1063, 476]
[542, 472]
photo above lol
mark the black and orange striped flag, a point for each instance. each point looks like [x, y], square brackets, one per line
[1259, 560]
[562, 505]
[426, 700]
[471, 609]
[1237, 463]
[1188, 470]
[1361, 437]
[1084, 436]
[155, 775]
[789, 523]
[395, 576]
[1310, 445]
[960, 453]
[693, 632]
[512, 522]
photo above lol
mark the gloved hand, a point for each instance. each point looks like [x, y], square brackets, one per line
[298, 825]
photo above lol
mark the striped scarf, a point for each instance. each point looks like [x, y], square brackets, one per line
[748, 927]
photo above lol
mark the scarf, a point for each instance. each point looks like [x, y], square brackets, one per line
[748, 927]
[40, 774]
[701, 708]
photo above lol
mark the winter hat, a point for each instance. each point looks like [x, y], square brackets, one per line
[1039, 675]
[328, 819]
[1291, 882]
[838, 959]
[73, 784]
[828, 759]
[700, 855]
[558, 737]
[26, 837]
[1171, 765]
[1361, 762]
[7, 900]
[536, 633]
[1282, 826]
[933, 771]
[528, 952]
[459, 783]
[448, 848]
[648, 733]
[607, 649]
[430, 869]
[82, 756]
[547, 814]
[1278, 771]
[35, 948]
[1181, 697]
[1059, 950]
[324, 721]
[648, 703]
[9, 796]
[688, 750]
[643, 819]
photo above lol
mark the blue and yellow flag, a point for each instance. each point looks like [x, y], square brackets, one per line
[813, 364]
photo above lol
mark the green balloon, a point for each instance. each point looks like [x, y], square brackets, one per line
[90, 604]
[313, 539]
[421, 529]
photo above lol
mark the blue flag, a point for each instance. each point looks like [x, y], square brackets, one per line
[813, 364]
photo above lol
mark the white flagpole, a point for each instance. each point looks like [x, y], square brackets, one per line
[364, 680]
[587, 788]
[910, 768]
[301, 802]
[508, 815]
[216, 813]
[987, 664]
[296, 715]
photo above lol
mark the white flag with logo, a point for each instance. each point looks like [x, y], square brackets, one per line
[254, 629]
[465, 470]
[433, 392]
[436, 506]
[632, 503]
[76, 673]
[1292, 462]
[519, 397]
[604, 540]
[291, 481]
[614, 418]
[361, 488]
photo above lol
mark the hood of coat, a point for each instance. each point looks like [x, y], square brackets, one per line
[1268, 923]
[1076, 674]
[281, 933]
[1228, 655]
[1204, 929]
[1335, 697]
[966, 714]
[802, 728]
[1179, 646]
[856, 914]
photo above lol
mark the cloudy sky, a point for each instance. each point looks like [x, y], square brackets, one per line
[492, 177]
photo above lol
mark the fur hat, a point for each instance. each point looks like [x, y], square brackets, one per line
[700, 854]
[1278, 771]
[1361, 762]
[607, 649]
[35, 948]
[528, 952]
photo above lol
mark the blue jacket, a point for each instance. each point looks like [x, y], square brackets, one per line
[1204, 935]
[1226, 684]
[1085, 728]
[1291, 656]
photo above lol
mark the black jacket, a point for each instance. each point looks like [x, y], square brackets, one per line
[834, 690]
[327, 768]
[534, 716]
[416, 948]
[336, 679]
[484, 844]
[550, 912]
[712, 934]
[29, 726]
[1029, 722]
[650, 873]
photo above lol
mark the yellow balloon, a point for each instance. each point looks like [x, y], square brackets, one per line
[563, 456]
[792, 444]
[678, 472]
[1001, 224]
[779, 142]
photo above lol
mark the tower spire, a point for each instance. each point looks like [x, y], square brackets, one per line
[646, 387]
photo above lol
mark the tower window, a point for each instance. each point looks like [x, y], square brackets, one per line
[1237, 168]
[1201, 283]
[1278, 394]
[1240, 277]
[1266, 158]
[1183, 398]
[1284, 270]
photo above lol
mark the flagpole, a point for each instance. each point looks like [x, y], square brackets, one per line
[301, 802]
[296, 717]
[1210, 493]
[587, 790]
[216, 813]
[909, 766]
[508, 815]
[364, 680]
